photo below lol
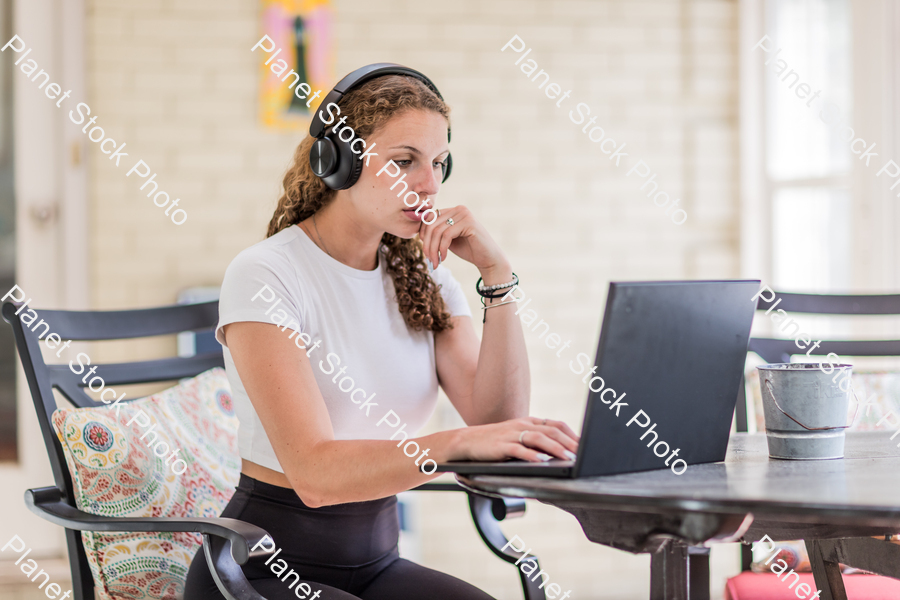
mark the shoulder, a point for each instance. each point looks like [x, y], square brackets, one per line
[269, 265]
[270, 256]
[258, 279]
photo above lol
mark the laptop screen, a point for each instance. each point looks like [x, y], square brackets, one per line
[669, 366]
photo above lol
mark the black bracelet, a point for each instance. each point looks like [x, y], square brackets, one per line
[495, 291]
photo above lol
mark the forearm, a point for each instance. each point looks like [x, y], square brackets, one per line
[342, 471]
[502, 384]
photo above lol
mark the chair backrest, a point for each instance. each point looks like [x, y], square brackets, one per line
[778, 350]
[95, 326]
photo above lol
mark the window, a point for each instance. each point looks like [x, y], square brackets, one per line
[807, 162]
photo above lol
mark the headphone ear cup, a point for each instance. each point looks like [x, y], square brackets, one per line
[356, 166]
[342, 175]
[447, 167]
[323, 157]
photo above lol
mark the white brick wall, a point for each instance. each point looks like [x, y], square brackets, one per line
[176, 81]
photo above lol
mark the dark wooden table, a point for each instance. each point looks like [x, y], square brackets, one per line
[743, 498]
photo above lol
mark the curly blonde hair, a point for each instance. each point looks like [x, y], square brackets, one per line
[369, 108]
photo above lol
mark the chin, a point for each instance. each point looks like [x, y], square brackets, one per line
[405, 235]
[406, 230]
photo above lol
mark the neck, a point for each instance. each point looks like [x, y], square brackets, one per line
[344, 237]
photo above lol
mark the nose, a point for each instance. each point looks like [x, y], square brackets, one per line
[428, 181]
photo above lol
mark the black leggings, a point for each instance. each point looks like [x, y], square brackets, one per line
[346, 551]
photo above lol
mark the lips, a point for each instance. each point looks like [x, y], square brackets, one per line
[411, 215]
[411, 212]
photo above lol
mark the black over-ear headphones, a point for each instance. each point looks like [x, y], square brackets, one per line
[331, 157]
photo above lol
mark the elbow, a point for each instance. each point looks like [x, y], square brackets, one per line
[309, 495]
[307, 482]
[312, 501]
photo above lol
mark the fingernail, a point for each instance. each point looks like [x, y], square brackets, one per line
[430, 266]
[569, 454]
[544, 457]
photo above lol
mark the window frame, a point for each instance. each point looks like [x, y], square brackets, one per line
[875, 213]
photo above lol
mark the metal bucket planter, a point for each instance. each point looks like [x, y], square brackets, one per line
[805, 410]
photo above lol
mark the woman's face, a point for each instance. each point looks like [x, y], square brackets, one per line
[416, 142]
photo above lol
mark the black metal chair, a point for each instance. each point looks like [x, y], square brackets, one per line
[227, 543]
[825, 555]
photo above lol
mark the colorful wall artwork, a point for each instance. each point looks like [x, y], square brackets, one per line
[303, 30]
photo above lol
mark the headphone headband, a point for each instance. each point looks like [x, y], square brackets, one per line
[359, 77]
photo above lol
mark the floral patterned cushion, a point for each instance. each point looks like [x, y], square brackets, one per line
[117, 474]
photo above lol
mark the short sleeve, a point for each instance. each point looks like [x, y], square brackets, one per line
[255, 289]
[451, 292]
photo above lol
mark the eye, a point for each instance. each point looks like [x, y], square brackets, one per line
[402, 163]
[440, 164]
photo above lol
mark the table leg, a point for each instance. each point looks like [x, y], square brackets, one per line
[669, 572]
[698, 573]
[827, 573]
[679, 572]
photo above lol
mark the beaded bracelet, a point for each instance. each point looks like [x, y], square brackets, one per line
[488, 291]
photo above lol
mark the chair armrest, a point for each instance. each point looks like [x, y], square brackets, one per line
[438, 487]
[48, 504]
[501, 508]
[487, 521]
[227, 574]
[487, 512]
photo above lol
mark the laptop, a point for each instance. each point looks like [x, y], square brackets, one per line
[674, 350]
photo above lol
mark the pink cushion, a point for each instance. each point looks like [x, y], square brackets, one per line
[766, 586]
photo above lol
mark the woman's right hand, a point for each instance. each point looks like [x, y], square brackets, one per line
[499, 441]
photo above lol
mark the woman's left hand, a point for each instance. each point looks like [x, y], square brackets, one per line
[466, 237]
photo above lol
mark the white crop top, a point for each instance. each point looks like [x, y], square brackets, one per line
[355, 315]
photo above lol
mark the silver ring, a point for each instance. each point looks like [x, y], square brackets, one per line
[545, 422]
[438, 212]
[521, 435]
[450, 221]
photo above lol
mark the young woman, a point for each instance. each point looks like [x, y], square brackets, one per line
[326, 429]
